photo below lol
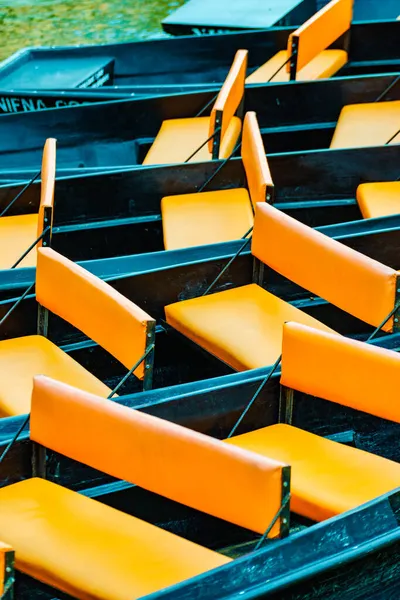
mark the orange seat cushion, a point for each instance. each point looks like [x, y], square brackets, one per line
[327, 478]
[242, 327]
[205, 218]
[179, 138]
[89, 550]
[24, 357]
[379, 199]
[324, 65]
[370, 124]
[17, 233]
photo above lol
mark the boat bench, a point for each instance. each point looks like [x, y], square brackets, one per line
[92, 551]
[307, 57]
[221, 215]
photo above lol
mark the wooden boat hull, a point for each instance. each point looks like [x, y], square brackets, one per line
[116, 214]
[351, 551]
[186, 61]
[118, 134]
[190, 385]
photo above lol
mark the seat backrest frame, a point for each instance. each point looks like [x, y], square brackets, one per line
[368, 290]
[296, 45]
[336, 369]
[47, 187]
[227, 103]
[145, 368]
[258, 174]
[217, 468]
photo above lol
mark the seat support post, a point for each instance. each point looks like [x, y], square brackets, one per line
[396, 316]
[149, 360]
[293, 58]
[38, 460]
[285, 515]
[217, 134]
[258, 271]
[286, 397]
[43, 321]
[47, 222]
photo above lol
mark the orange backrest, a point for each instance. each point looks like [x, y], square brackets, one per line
[352, 281]
[320, 31]
[48, 182]
[220, 479]
[6, 562]
[230, 94]
[93, 306]
[255, 162]
[341, 370]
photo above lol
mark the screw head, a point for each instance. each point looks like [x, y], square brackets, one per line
[284, 521]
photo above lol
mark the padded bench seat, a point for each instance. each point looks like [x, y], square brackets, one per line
[327, 478]
[324, 65]
[205, 217]
[177, 139]
[242, 326]
[369, 124]
[379, 199]
[24, 357]
[92, 551]
[17, 233]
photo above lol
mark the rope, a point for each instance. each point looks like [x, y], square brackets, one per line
[20, 194]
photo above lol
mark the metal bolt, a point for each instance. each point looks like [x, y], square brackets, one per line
[8, 569]
[396, 320]
[268, 197]
[147, 366]
[398, 291]
[44, 244]
[284, 521]
[149, 335]
[285, 484]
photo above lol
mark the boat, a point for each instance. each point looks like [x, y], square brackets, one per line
[346, 537]
[318, 188]
[119, 134]
[188, 63]
[158, 280]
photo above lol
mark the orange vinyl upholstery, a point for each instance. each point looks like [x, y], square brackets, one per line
[379, 199]
[24, 357]
[178, 139]
[322, 66]
[6, 552]
[341, 370]
[91, 551]
[241, 326]
[369, 124]
[205, 218]
[255, 162]
[327, 478]
[230, 95]
[320, 31]
[92, 306]
[313, 260]
[18, 232]
[48, 182]
[16, 235]
[237, 486]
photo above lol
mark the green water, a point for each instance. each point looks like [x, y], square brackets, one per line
[69, 22]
